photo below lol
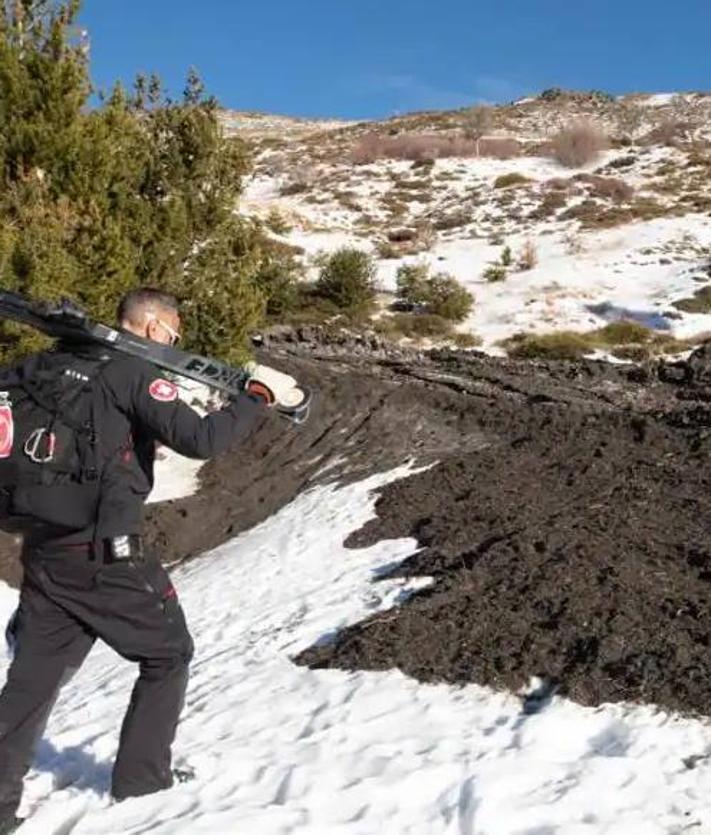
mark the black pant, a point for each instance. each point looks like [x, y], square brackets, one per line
[68, 600]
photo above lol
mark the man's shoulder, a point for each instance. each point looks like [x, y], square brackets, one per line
[120, 365]
[124, 375]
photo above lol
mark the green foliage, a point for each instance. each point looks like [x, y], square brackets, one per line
[552, 94]
[466, 340]
[420, 326]
[276, 222]
[277, 281]
[623, 333]
[412, 283]
[347, 278]
[495, 272]
[506, 257]
[562, 345]
[624, 340]
[440, 295]
[414, 325]
[447, 298]
[511, 180]
[139, 191]
[700, 302]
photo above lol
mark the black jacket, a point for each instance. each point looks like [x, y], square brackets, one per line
[135, 408]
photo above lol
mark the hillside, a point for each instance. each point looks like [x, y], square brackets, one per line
[623, 236]
[470, 595]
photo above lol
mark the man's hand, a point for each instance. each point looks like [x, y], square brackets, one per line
[276, 388]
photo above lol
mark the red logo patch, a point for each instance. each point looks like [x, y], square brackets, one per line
[163, 391]
[7, 432]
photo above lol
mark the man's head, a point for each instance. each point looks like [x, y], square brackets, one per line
[151, 314]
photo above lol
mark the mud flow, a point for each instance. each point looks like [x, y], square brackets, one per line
[564, 515]
[573, 543]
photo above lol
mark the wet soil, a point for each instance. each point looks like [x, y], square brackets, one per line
[574, 545]
[564, 516]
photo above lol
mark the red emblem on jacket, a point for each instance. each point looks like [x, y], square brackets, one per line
[6, 431]
[163, 391]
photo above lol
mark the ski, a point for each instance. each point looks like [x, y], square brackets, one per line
[67, 322]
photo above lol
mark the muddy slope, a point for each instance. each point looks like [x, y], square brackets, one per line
[575, 544]
[565, 519]
[362, 422]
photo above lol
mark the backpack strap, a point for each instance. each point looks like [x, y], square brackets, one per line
[31, 378]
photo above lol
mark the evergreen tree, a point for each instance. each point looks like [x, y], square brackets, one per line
[138, 191]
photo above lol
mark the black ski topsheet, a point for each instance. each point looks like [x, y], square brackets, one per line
[69, 323]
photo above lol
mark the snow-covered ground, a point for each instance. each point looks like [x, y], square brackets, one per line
[634, 272]
[283, 749]
[637, 270]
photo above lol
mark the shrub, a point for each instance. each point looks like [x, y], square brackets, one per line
[552, 201]
[573, 243]
[440, 294]
[277, 223]
[611, 188]
[477, 123]
[563, 345]
[625, 340]
[414, 325]
[670, 132]
[402, 235]
[506, 257]
[623, 333]
[552, 94]
[499, 147]
[528, 256]
[495, 272]
[95, 200]
[424, 148]
[453, 220]
[466, 340]
[558, 184]
[279, 288]
[293, 188]
[630, 118]
[412, 282]
[510, 180]
[700, 302]
[347, 278]
[578, 145]
[447, 298]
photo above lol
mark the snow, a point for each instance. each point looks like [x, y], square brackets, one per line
[638, 269]
[283, 749]
[174, 475]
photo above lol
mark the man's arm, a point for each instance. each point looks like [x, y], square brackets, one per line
[153, 402]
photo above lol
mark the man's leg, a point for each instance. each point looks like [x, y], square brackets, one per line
[50, 646]
[138, 615]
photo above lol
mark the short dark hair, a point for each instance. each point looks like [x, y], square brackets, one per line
[136, 302]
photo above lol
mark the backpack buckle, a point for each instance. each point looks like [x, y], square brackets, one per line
[40, 445]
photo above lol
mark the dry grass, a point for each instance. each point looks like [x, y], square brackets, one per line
[514, 179]
[608, 188]
[670, 132]
[579, 144]
[424, 147]
[625, 340]
[528, 256]
[595, 215]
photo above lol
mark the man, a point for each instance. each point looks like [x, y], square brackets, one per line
[96, 581]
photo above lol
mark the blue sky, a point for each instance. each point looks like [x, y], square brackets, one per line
[374, 58]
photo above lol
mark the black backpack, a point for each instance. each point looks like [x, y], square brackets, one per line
[49, 466]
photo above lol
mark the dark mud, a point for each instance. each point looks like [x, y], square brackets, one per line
[565, 517]
[575, 545]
